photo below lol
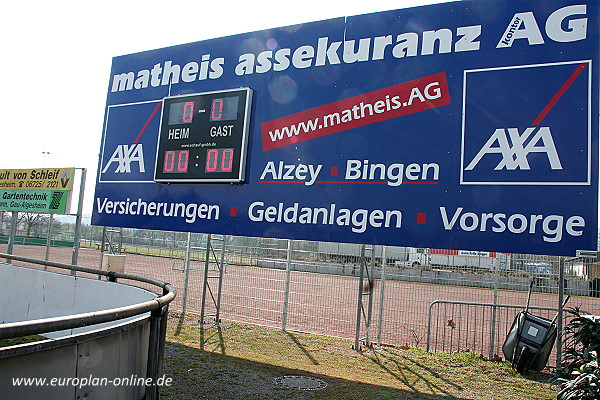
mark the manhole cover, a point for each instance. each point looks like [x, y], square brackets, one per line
[300, 382]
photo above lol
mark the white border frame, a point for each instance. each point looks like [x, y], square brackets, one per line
[104, 141]
[589, 155]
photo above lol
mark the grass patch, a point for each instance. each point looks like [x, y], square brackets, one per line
[240, 361]
[21, 340]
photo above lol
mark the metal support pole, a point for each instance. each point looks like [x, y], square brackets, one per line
[220, 284]
[494, 315]
[559, 321]
[77, 234]
[205, 284]
[156, 348]
[186, 268]
[49, 237]
[152, 364]
[371, 281]
[286, 288]
[381, 295]
[102, 243]
[163, 337]
[13, 232]
[120, 249]
[359, 307]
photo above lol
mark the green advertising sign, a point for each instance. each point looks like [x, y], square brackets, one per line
[35, 201]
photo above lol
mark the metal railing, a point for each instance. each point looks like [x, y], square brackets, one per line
[481, 327]
[158, 309]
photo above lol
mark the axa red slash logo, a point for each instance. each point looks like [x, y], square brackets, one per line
[126, 148]
[534, 127]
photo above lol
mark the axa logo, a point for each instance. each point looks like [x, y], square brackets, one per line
[125, 148]
[527, 125]
[515, 147]
[124, 157]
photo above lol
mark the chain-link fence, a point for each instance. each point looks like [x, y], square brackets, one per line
[439, 299]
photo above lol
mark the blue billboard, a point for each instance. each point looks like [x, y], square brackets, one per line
[465, 125]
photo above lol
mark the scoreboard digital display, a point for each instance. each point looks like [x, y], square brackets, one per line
[203, 137]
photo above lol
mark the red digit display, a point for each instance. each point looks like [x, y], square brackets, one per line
[181, 113]
[188, 111]
[216, 112]
[176, 161]
[224, 109]
[227, 160]
[212, 160]
[182, 161]
[219, 160]
[169, 161]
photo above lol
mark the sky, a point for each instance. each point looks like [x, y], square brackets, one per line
[57, 55]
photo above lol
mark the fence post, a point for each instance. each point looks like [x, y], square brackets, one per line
[359, 307]
[494, 314]
[559, 321]
[381, 294]
[205, 284]
[186, 277]
[48, 238]
[220, 284]
[371, 283]
[428, 347]
[78, 218]
[102, 244]
[286, 288]
[13, 232]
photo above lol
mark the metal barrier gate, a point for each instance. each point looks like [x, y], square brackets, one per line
[454, 326]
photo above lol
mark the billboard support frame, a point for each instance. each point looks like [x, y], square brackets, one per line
[78, 218]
